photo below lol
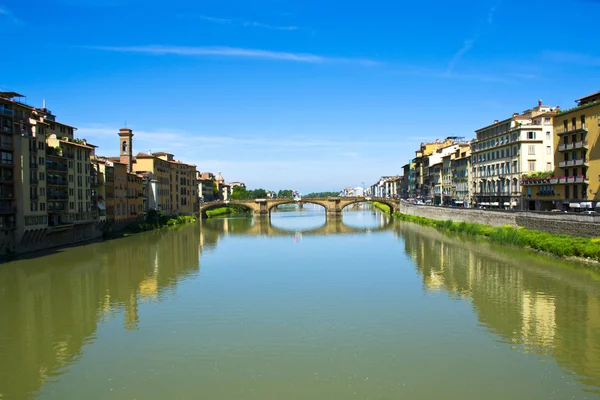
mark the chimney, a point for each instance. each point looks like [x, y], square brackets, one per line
[539, 102]
[495, 121]
[515, 114]
[557, 108]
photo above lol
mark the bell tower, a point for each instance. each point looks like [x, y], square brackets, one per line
[126, 147]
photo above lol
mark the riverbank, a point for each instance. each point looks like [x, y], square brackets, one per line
[151, 223]
[231, 211]
[382, 207]
[556, 244]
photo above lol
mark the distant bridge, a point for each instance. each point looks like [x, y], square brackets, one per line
[262, 207]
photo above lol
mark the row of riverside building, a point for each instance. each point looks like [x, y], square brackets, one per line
[52, 181]
[541, 159]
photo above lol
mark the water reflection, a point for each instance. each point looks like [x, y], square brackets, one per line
[51, 307]
[540, 305]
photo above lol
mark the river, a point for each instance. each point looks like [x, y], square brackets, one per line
[298, 308]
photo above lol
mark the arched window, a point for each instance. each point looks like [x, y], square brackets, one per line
[124, 147]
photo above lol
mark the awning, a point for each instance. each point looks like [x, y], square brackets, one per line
[506, 203]
[485, 204]
[586, 204]
[575, 205]
[459, 202]
[514, 204]
[494, 204]
[101, 206]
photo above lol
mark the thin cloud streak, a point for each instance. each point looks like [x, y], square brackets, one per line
[566, 57]
[6, 13]
[234, 52]
[214, 19]
[246, 24]
[271, 27]
[468, 44]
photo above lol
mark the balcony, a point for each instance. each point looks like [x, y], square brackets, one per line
[571, 130]
[581, 179]
[8, 210]
[566, 164]
[565, 147]
[580, 161]
[6, 163]
[570, 179]
[57, 197]
[581, 144]
[6, 145]
[57, 182]
[7, 129]
[6, 111]
[56, 167]
[54, 152]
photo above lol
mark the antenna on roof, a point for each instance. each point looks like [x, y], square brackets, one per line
[44, 103]
[125, 123]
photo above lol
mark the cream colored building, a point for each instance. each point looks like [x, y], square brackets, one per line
[53, 185]
[507, 149]
[461, 176]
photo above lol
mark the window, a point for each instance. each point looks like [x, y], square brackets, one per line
[531, 165]
[547, 121]
[531, 150]
[548, 136]
[530, 135]
[567, 194]
[548, 150]
[548, 167]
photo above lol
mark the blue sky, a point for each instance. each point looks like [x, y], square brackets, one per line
[307, 95]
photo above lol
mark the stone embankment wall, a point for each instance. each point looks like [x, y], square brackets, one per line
[568, 223]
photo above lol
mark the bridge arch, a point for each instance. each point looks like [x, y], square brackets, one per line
[204, 207]
[388, 202]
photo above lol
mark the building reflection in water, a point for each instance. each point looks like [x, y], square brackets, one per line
[534, 303]
[50, 307]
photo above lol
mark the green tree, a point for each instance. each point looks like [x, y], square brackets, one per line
[259, 194]
[285, 194]
[240, 193]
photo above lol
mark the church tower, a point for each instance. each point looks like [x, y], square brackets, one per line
[126, 147]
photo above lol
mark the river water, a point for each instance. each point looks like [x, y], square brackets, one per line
[298, 308]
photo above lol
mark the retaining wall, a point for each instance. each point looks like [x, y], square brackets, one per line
[568, 223]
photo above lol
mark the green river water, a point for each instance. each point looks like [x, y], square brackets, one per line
[298, 308]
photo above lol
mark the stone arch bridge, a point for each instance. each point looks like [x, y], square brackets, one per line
[262, 207]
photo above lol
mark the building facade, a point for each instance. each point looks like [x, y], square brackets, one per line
[506, 150]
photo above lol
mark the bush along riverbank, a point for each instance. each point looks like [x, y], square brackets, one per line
[231, 211]
[558, 245]
[383, 207]
[154, 220]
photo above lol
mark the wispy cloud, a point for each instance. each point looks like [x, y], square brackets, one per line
[246, 24]
[499, 77]
[272, 27]
[567, 57]
[469, 43]
[235, 52]
[5, 13]
[214, 19]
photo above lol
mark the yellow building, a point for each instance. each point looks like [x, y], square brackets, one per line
[575, 182]
[174, 187]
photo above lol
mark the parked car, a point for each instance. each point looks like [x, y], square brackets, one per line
[590, 213]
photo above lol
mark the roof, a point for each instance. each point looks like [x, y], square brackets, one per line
[87, 145]
[588, 96]
[10, 95]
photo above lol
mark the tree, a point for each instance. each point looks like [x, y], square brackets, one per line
[285, 194]
[259, 194]
[240, 193]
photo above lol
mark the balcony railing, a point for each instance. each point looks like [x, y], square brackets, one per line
[571, 129]
[6, 162]
[6, 111]
[57, 182]
[8, 209]
[58, 197]
[56, 167]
